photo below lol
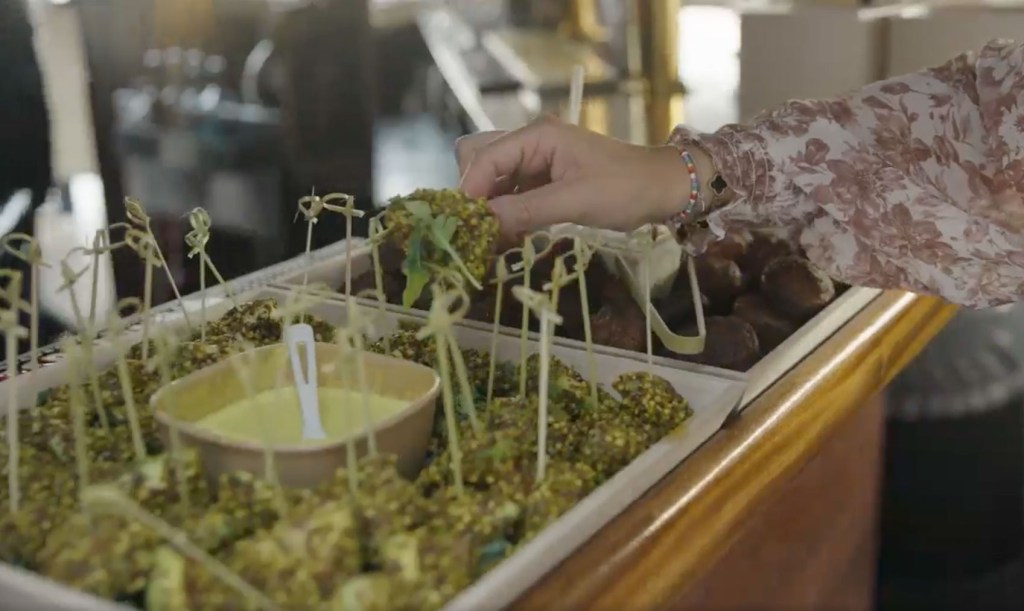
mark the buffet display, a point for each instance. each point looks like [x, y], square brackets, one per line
[766, 305]
[172, 457]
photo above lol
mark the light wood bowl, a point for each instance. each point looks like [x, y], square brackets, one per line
[405, 434]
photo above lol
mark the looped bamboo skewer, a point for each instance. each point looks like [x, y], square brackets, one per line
[33, 256]
[446, 308]
[115, 327]
[142, 244]
[85, 331]
[137, 215]
[197, 240]
[542, 305]
[9, 317]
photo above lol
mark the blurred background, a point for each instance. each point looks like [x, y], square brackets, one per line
[243, 106]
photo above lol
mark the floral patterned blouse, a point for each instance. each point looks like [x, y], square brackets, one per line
[915, 182]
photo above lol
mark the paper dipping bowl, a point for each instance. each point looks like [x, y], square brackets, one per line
[405, 434]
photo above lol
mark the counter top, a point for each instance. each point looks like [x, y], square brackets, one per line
[657, 549]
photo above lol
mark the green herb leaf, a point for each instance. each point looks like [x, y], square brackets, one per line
[419, 210]
[416, 275]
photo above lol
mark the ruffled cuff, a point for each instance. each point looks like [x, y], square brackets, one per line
[763, 196]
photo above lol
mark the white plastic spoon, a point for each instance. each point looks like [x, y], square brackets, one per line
[296, 337]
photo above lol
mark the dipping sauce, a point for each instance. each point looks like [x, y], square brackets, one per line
[274, 416]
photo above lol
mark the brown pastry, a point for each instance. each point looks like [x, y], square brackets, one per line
[771, 327]
[796, 288]
[763, 249]
[620, 323]
[732, 247]
[731, 344]
[720, 280]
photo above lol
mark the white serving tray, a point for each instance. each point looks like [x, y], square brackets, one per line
[712, 395]
[330, 269]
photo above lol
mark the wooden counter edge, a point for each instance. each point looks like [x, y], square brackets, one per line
[661, 544]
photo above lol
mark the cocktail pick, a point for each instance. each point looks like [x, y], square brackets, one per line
[73, 355]
[352, 335]
[311, 206]
[529, 254]
[115, 328]
[445, 308]
[542, 306]
[377, 235]
[341, 365]
[243, 366]
[643, 238]
[584, 256]
[455, 279]
[196, 240]
[529, 257]
[144, 246]
[502, 275]
[12, 331]
[33, 256]
[70, 277]
[109, 499]
[137, 215]
[164, 346]
[101, 244]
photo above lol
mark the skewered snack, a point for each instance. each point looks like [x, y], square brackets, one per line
[396, 543]
[762, 250]
[795, 286]
[441, 229]
[730, 273]
[732, 344]
[771, 327]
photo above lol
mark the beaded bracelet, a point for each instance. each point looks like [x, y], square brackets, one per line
[695, 203]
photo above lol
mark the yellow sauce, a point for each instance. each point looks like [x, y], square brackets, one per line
[274, 416]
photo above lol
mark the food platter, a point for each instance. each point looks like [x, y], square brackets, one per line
[544, 420]
[712, 396]
[327, 266]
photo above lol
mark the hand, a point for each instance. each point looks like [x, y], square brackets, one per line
[551, 172]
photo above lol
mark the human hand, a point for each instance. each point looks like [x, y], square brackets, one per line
[552, 172]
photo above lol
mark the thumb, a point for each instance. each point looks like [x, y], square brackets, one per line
[523, 213]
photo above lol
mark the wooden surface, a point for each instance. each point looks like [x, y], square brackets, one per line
[662, 552]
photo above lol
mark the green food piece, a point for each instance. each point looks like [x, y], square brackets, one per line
[441, 231]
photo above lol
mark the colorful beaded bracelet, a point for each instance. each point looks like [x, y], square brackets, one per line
[695, 201]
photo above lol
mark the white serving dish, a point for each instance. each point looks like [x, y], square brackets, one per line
[713, 395]
[330, 269]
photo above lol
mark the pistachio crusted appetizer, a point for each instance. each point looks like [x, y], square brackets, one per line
[389, 543]
[756, 288]
[440, 230]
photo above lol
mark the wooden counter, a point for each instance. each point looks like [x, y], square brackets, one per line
[777, 511]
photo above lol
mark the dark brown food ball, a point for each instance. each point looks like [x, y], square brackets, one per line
[732, 247]
[771, 327]
[599, 280]
[676, 308]
[795, 287]
[763, 249]
[620, 323]
[731, 344]
[363, 282]
[721, 281]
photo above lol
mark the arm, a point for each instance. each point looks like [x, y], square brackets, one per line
[915, 182]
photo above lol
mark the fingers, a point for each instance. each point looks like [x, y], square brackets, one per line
[523, 213]
[525, 152]
[467, 146]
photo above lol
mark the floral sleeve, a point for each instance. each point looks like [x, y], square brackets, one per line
[915, 182]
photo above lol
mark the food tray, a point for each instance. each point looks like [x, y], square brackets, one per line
[330, 269]
[712, 397]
